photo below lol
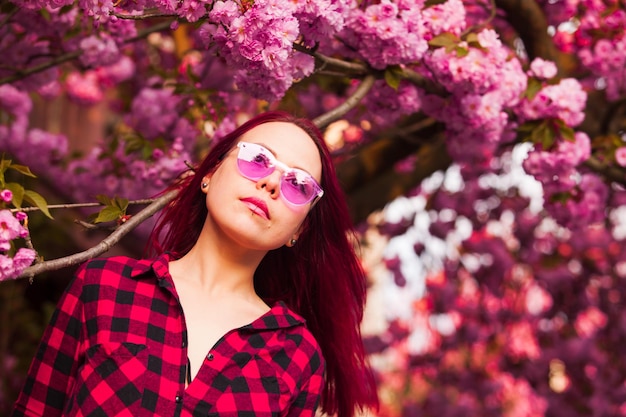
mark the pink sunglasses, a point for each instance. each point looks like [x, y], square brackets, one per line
[297, 187]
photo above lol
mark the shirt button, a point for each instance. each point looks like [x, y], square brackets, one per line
[178, 399]
[209, 356]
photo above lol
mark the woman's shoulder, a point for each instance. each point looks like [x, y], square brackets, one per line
[117, 276]
[117, 266]
[113, 264]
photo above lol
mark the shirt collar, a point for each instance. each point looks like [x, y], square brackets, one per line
[159, 265]
[279, 316]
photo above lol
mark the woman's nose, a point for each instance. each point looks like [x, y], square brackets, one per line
[271, 183]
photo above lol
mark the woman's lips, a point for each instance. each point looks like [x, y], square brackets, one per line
[257, 206]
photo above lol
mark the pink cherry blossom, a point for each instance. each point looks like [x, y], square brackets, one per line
[590, 321]
[12, 267]
[543, 69]
[10, 227]
[6, 196]
[620, 156]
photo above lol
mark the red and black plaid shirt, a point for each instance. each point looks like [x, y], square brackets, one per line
[117, 346]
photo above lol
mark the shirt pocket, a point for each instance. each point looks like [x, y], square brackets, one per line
[111, 381]
[254, 385]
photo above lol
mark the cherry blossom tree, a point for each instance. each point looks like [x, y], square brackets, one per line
[517, 308]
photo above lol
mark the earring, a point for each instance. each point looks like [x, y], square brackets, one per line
[292, 242]
[204, 185]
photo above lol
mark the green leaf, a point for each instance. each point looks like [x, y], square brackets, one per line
[472, 38]
[104, 200]
[461, 51]
[92, 217]
[560, 197]
[24, 170]
[4, 164]
[146, 151]
[567, 133]
[393, 76]
[18, 193]
[533, 87]
[120, 203]
[45, 14]
[445, 39]
[37, 200]
[133, 143]
[543, 135]
[65, 9]
[547, 137]
[108, 214]
[528, 126]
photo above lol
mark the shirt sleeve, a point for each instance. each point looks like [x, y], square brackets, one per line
[52, 372]
[310, 391]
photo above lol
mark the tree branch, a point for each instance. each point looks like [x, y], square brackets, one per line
[105, 244]
[21, 74]
[528, 20]
[351, 102]
[355, 68]
[79, 205]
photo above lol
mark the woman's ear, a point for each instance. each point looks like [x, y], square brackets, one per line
[204, 185]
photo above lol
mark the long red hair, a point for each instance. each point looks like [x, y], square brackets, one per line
[320, 278]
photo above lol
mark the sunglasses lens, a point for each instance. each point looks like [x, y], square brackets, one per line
[253, 163]
[298, 187]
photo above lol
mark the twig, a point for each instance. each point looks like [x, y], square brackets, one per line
[611, 172]
[492, 15]
[357, 68]
[39, 68]
[78, 205]
[75, 54]
[9, 15]
[353, 67]
[614, 107]
[105, 244]
[421, 82]
[141, 16]
[100, 226]
[351, 102]
[144, 33]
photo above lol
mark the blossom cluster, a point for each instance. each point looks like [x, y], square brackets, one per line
[521, 312]
[594, 30]
[386, 105]
[483, 86]
[574, 200]
[565, 101]
[387, 33]
[258, 40]
[12, 262]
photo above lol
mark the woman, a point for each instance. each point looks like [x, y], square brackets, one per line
[251, 307]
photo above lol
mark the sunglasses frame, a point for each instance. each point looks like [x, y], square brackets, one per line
[286, 169]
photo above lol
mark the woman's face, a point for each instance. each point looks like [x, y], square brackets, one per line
[252, 213]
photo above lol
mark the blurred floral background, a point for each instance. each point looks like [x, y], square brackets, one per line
[480, 144]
